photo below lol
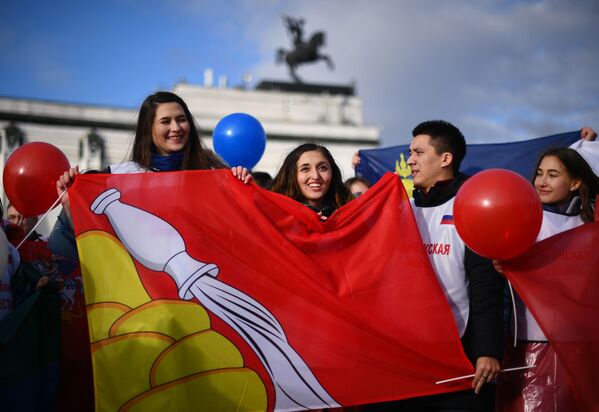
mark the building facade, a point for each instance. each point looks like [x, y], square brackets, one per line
[96, 136]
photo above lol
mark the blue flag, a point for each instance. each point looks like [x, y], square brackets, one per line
[520, 157]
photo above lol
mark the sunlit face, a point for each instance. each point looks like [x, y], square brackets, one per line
[427, 166]
[553, 183]
[170, 130]
[314, 176]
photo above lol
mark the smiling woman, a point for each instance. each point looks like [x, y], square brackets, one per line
[314, 177]
[310, 175]
[166, 137]
[170, 131]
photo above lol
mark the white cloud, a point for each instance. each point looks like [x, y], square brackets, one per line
[500, 71]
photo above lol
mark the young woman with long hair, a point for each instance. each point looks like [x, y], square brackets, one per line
[310, 175]
[567, 188]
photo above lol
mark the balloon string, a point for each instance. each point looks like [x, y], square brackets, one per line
[514, 313]
[41, 219]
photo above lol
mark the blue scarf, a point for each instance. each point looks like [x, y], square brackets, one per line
[167, 163]
[571, 208]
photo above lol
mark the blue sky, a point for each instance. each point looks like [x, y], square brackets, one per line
[114, 52]
[500, 70]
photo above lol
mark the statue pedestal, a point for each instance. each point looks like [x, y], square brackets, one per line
[311, 88]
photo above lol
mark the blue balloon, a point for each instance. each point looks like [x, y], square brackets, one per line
[239, 139]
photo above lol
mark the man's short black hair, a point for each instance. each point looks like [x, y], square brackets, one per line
[445, 137]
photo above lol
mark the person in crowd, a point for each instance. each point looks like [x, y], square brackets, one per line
[166, 139]
[587, 133]
[473, 288]
[33, 249]
[30, 322]
[357, 185]
[310, 176]
[262, 179]
[567, 187]
[25, 223]
[10, 262]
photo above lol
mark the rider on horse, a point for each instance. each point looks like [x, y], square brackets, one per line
[303, 52]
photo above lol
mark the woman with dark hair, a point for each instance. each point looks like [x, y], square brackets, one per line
[566, 183]
[166, 139]
[310, 175]
[567, 188]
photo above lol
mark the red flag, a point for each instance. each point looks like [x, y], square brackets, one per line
[355, 298]
[558, 280]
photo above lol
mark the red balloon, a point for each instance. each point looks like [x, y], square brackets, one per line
[30, 177]
[497, 213]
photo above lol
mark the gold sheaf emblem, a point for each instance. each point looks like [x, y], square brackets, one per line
[150, 355]
[403, 171]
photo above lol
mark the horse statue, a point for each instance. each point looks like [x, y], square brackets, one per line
[303, 52]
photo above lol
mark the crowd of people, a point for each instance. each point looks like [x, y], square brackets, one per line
[166, 139]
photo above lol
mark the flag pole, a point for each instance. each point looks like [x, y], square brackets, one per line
[472, 375]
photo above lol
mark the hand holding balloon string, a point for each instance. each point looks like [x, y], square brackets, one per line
[64, 181]
[62, 184]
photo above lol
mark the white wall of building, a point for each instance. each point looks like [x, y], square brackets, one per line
[290, 118]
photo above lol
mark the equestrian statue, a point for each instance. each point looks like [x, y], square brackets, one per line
[303, 52]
